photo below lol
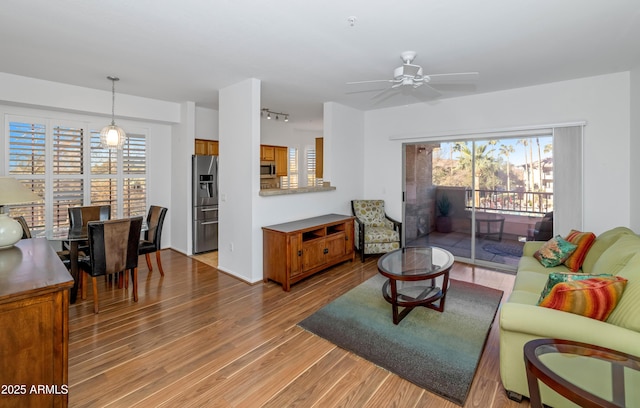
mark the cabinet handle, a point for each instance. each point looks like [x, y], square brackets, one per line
[299, 252]
[326, 251]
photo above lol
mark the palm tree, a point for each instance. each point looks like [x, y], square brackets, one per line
[539, 164]
[506, 150]
[525, 143]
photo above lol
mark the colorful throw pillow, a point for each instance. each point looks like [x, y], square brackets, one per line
[583, 241]
[554, 252]
[559, 277]
[595, 298]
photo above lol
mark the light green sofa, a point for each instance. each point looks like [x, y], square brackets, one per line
[617, 252]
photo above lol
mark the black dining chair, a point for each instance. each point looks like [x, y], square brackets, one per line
[113, 248]
[79, 217]
[153, 236]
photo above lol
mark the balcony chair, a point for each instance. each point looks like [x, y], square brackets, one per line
[153, 236]
[113, 248]
[543, 230]
[375, 232]
[26, 232]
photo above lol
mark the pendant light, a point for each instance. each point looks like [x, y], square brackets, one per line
[112, 136]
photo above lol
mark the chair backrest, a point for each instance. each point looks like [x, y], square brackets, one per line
[155, 220]
[79, 217]
[370, 212]
[26, 232]
[114, 245]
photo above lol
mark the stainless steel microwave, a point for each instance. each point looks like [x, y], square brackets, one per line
[267, 169]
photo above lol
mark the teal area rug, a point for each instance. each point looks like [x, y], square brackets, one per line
[437, 351]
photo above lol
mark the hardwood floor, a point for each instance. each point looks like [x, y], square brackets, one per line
[201, 338]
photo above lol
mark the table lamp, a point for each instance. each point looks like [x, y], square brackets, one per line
[12, 192]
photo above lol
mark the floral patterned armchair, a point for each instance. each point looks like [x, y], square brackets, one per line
[375, 232]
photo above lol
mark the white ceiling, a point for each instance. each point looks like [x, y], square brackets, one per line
[304, 52]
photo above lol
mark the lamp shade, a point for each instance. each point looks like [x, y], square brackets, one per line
[12, 191]
[112, 137]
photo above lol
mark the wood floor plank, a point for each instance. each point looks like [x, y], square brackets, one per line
[200, 338]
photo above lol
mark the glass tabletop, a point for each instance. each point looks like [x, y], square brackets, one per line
[588, 371]
[418, 262]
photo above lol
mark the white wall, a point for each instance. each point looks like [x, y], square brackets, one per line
[603, 101]
[280, 133]
[206, 123]
[634, 148]
[31, 92]
[239, 177]
[182, 146]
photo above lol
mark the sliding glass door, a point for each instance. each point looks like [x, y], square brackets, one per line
[480, 198]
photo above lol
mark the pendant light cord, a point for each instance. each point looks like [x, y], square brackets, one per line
[113, 101]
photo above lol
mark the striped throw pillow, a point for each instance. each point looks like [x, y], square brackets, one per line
[583, 241]
[595, 298]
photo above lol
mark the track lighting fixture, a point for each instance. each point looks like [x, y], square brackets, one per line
[268, 112]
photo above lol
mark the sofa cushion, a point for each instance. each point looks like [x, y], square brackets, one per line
[627, 313]
[530, 281]
[380, 234]
[595, 297]
[583, 241]
[601, 244]
[559, 277]
[615, 258]
[555, 251]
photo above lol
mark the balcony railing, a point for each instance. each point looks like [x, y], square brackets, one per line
[527, 202]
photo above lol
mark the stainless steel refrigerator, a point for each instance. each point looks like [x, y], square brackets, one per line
[205, 203]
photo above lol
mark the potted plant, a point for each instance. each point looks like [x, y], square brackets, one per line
[443, 220]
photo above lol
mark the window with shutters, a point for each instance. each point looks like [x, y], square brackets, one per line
[27, 152]
[291, 181]
[312, 180]
[66, 166]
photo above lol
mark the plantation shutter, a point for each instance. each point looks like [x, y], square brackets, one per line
[135, 170]
[104, 172]
[27, 148]
[68, 169]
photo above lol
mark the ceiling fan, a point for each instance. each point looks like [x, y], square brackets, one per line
[411, 76]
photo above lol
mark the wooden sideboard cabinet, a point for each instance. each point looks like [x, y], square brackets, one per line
[295, 250]
[34, 322]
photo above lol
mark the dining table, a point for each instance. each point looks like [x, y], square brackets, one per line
[73, 237]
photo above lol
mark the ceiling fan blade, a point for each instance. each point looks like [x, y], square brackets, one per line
[368, 82]
[385, 92]
[460, 76]
[433, 92]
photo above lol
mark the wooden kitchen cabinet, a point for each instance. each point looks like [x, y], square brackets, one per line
[319, 157]
[282, 160]
[206, 147]
[295, 250]
[267, 153]
[34, 322]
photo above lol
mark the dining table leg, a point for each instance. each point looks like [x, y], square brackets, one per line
[75, 270]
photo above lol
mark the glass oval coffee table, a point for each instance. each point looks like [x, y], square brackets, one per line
[417, 276]
[589, 375]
